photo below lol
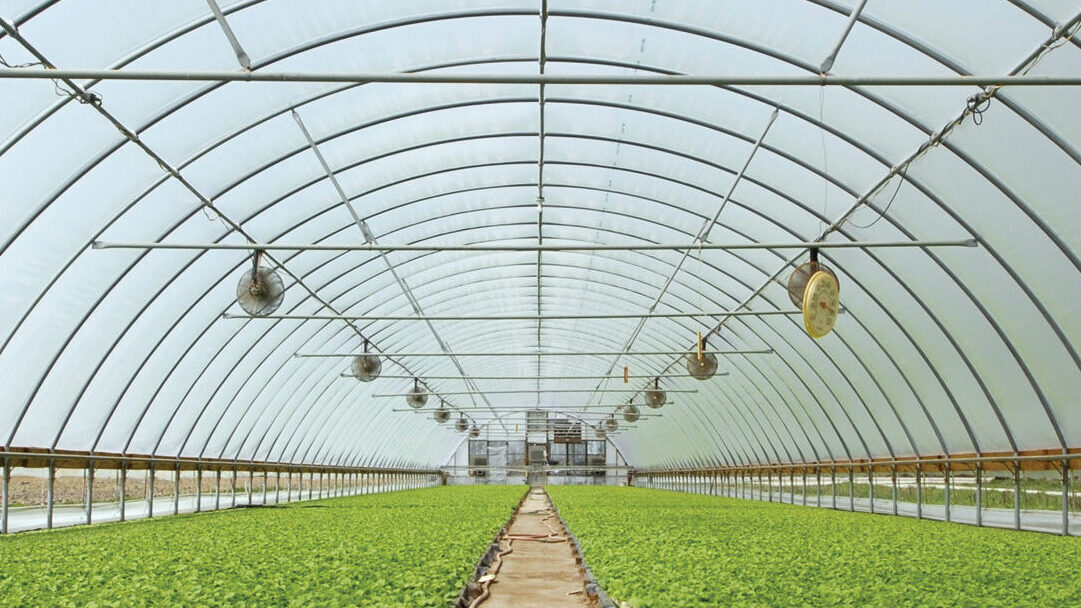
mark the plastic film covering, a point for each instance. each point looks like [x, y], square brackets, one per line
[941, 350]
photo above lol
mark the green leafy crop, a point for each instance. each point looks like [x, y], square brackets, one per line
[657, 549]
[403, 549]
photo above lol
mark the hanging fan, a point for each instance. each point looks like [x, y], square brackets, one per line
[655, 397]
[474, 432]
[416, 397]
[630, 412]
[441, 414]
[462, 425]
[797, 283]
[366, 367]
[611, 424]
[599, 432]
[260, 291]
[700, 364]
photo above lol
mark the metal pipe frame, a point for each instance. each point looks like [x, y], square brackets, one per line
[740, 351]
[5, 497]
[150, 491]
[519, 392]
[686, 247]
[50, 493]
[89, 493]
[546, 317]
[123, 492]
[989, 80]
[554, 377]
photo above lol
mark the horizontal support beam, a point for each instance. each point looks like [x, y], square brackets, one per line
[533, 391]
[629, 377]
[588, 79]
[534, 248]
[549, 317]
[542, 469]
[667, 353]
[554, 409]
[69, 459]
[1029, 460]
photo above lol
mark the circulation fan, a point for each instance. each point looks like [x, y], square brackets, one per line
[815, 290]
[462, 425]
[599, 432]
[611, 424]
[260, 291]
[797, 283]
[655, 397]
[474, 432]
[366, 367]
[700, 364]
[441, 414]
[416, 397]
[630, 412]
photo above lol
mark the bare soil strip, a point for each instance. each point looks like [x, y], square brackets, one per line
[536, 566]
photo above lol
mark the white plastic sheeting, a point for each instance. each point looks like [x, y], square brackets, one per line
[941, 350]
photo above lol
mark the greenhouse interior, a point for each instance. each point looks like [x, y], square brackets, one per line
[477, 303]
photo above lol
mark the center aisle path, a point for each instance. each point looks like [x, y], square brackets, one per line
[537, 574]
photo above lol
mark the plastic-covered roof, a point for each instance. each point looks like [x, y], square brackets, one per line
[941, 350]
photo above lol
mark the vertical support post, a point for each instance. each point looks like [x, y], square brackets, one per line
[1065, 497]
[791, 486]
[123, 489]
[805, 487]
[289, 485]
[49, 494]
[871, 483]
[893, 487]
[217, 489]
[946, 501]
[851, 488]
[320, 484]
[232, 484]
[818, 486]
[1017, 495]
[89, 491]
[919, 491]
[311, 484]
[251, 485]
[769, 485]
[4, 497]
[199, 490]
[979, 493]
[150, 491]
[833, 487]
[264, 486]
[176, 491]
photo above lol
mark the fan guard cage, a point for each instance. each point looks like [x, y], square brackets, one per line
[797, 283]
[260, 291]
[366, 367]
[655, 397]
[611, 425]
[631, 413]
[417, 397]
[704, 369]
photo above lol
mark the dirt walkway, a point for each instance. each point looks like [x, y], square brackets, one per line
[537, 574]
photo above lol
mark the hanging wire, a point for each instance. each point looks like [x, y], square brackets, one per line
[882, 214]
[825, 159]
[975, 107]
[28, 64]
